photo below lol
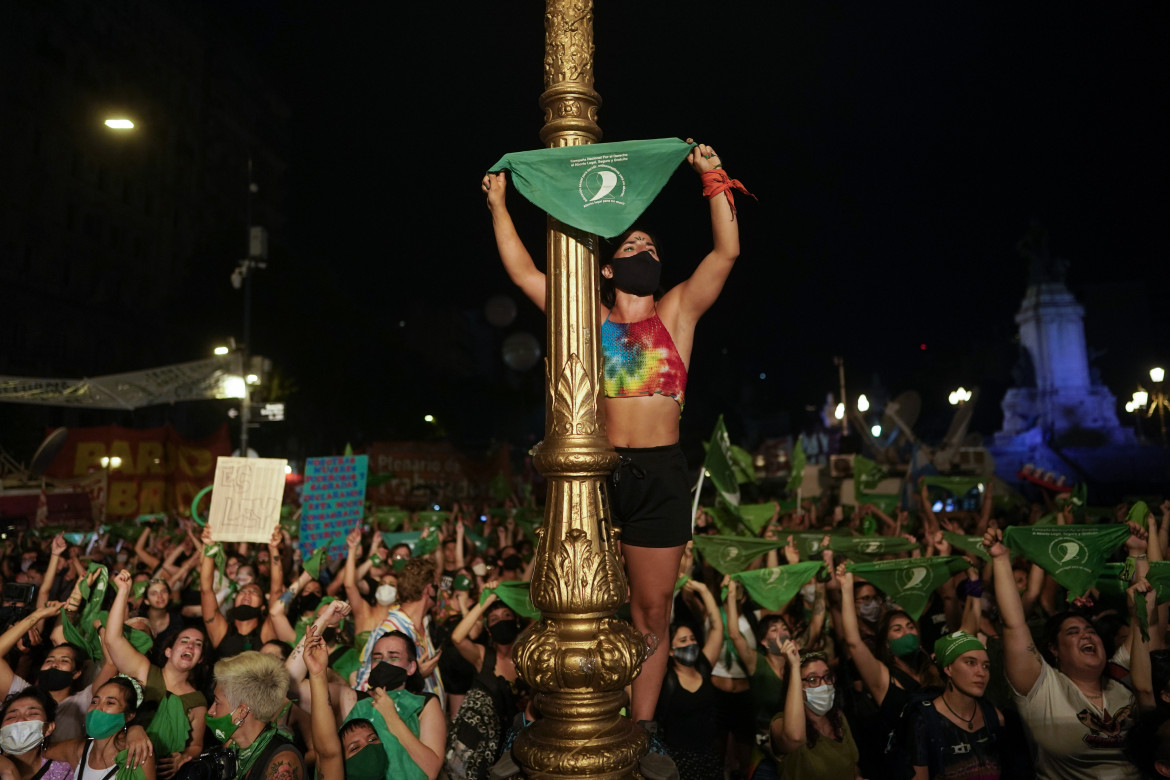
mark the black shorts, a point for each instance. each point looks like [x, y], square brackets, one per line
[650, 496]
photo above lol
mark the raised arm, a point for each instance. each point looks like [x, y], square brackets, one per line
[714, 641]
[140, 549]
[1140, 669]
[874, 673]
[1022, 661]
[429, 758]
[214, 622]
[330, 762]
[698, 293]
[517, 261]
[788, 734]
[746, 656]
[10, 637]
[129, 661]
[361, 608]
[471, 651]
[333, 614]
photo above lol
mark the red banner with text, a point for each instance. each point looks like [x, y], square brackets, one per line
[147, 471]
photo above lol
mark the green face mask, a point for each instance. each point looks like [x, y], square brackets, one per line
[221, 725]
[369, 763]
[99, 724]
[905, 645]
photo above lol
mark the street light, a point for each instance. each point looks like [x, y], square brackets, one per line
[959, 396]
[1154, 399]
[119, 123]
[862, 403]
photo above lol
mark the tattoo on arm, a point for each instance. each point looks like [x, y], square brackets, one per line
[283, 769]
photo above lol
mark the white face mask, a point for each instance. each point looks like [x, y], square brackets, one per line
[820, 699]
[19, 738]
[243, 579]
[386, 594]
[808, 592]
[479, 568]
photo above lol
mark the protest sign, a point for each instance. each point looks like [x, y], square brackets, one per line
[245, 504]
[332, 502]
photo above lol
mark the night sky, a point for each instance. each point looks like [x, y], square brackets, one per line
[899, 152]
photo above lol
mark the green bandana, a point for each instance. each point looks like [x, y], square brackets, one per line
[401, 537]
[516, 596]
[137, 589]
[678, 584]
[426, 545]
[1139, 513]
[969, 544]
[124, 771]
[409, 707]
[731, 554]
[1074, 555]
[951, 646]
[314, 561]
[909, 581]
[756, 516]
[808, 543]
[169, 728]
[887, 503]
[597, 188]
[390, 519]
[774, 587]
[1117, 577]
[480, 543]
[433, 518]
[216, 551]
[866, 473]
[867, 548]
[959, 486]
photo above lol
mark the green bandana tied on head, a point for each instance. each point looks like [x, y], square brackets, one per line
[774, 587]
[951, 646]
[731, 554]
[516, 595]
[909, 581]
[1074, 555]
[597, 188]
[409, 707]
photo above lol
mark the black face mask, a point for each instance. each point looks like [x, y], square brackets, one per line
[307, 602]
[638, 274]
[54, 679]
[244, 612]
[687, 655]
[513, 563]
[387, 675]
[504, 632]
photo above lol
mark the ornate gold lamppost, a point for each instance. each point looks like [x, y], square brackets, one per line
[578, 657]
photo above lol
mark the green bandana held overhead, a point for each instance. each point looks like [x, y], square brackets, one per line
[731, 554]
[516, 596]
[1074, 555]
[969, 544]
[867, 548]
[597, 188]
[799, 460]
[774, 587]
[949, 647]
[314, 561]
[909, 581]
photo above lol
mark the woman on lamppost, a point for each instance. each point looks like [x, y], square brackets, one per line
[646, 339]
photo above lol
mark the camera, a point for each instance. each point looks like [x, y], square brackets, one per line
[16, 599]
[217, 764]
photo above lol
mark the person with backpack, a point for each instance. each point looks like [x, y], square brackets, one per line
[957, 733]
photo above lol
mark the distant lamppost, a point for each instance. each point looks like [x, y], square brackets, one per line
[1152, 400]
[242, 277]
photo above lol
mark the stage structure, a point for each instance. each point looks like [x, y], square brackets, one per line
[578, 658]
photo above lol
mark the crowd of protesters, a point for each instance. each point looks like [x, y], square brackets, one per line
[170, 655]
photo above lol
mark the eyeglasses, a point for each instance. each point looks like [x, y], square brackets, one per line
[816, 680]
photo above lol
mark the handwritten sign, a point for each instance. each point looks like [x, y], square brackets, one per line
[332, 502]
[245, 504]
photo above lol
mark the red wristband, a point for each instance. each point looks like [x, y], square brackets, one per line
[717, 181]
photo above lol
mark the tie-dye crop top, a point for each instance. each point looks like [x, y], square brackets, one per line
[641, 359]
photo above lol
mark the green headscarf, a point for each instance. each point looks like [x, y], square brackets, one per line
[949, 647]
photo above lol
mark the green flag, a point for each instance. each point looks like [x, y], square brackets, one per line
[909, 581]
[971, 544]
[718, 464]
[731, 554]
[866, 473]
[867, 548]
[774, 587]
[796, 479]
[598, 188]
[743, 465]
[516, 595]
[1074, 555]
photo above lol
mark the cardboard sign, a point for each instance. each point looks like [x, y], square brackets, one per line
[245, 504]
